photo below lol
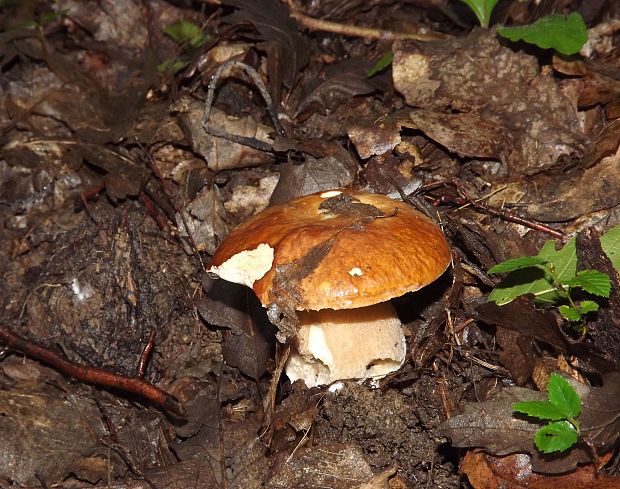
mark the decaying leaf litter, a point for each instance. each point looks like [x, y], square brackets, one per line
[114, 197]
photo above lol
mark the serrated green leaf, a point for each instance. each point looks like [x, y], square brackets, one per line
[556, 437]
[576, 314]
[562, 394]
[570, 313]
[610, 242]
[516, 264]
[539, 409]
[381, 64]
[565, 33]
[483, 10]
[588, 306]
[592, 281]
[535, 280]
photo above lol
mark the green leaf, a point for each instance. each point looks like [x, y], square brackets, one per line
[562, 394]
[592, 281]
[381, 64]
[576, 314]
[610, 242]
[185, 32]
[517, 264]
[536, 280]
[588, 306]
[539, 409]
[172, 66]
[565, 33]
[483, 10]
[570, 313]
[556, 437]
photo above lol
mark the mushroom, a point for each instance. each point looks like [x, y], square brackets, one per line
[337, 257]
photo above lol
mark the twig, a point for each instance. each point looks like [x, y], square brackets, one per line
[315, 24]
[116, 445]
[170, 195]
[463, 199]
[93, 375]
[144, 357]
[258, 82]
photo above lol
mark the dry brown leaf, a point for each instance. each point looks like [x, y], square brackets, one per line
[515, 472]
[222, 154]
[461, 85]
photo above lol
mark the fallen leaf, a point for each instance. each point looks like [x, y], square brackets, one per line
[340, 82]
[310, 176]
[272, 20]
[220, 153]
[566, 198]
[492, 425]
[376, 136]
[515, 472]
[334, 466]
[249, 342]
[460, 85]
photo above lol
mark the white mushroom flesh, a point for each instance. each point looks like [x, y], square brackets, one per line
[246, 267]
[363, 343]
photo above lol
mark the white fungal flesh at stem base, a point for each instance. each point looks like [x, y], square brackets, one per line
[361, 343]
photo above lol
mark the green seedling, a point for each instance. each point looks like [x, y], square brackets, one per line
[552, 278]
[381, 64]
[483, 10]
[566, 34]
[189, 38]
[562, 408]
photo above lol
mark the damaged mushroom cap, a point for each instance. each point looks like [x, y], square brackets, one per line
[338, 249]
[337, 257]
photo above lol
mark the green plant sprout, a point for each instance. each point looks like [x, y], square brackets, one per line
[189, 37]
[564, 33]
[562, 408]
[382, 63]
[483, 10]
[552, 278]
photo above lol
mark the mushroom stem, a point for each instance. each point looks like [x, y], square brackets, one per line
[332, 345]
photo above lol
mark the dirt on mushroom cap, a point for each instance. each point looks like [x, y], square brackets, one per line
[341, 250]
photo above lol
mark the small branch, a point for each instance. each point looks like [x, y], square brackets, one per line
[134, 385]
[258, 83]
[315, 24]
[463, 199]
[144, 357]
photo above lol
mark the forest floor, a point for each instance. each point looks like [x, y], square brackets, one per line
[135, 135]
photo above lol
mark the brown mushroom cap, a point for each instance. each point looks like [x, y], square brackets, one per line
[338, 249]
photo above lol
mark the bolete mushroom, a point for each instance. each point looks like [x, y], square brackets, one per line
[337, 258]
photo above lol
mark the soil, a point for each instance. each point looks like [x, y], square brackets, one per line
[127, 155]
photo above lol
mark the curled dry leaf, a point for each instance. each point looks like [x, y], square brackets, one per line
[288, 49]
[203, 221]
[249, 343]
[340, 82]
[374, 136]
[515, 472]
